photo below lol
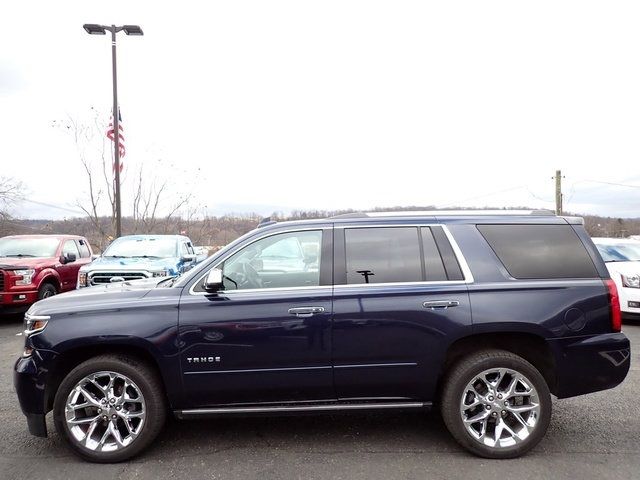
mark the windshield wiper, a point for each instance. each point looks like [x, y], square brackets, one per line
[145, 256]
[20, 255]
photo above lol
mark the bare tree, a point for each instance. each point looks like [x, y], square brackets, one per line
[154, 202]
[149, 196]
[11, 190]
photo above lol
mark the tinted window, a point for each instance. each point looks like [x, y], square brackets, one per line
[540, 251]
[382, 255]
[284, 260]
[434, 269]
[451, 265]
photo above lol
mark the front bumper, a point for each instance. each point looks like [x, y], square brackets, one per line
[18, 299]
[30, 382]
[590, 364]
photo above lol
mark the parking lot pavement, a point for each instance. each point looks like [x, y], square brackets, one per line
[594, 436]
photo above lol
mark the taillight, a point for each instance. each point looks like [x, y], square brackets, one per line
[614, 303]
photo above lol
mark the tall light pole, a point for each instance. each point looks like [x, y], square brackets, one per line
[94, 29]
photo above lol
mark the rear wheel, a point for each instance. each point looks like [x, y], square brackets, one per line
[46, 290]
[109, 408]
[496, 404]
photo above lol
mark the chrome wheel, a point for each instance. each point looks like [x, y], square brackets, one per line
[500, 408]
[105, 411]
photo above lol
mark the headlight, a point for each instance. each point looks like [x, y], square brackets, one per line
[26, 276]
[161, 273]
[34, 323]
[631, 281]
[82, 279]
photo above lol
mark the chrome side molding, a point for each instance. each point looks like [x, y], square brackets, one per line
[198, 412]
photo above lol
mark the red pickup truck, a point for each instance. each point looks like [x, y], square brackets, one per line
[33, 267]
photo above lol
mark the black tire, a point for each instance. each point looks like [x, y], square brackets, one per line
[464, 372]
[46, 290]
[150, 386]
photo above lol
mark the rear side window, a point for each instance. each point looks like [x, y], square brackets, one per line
[539, 251]
[383, 255]
[84, 249]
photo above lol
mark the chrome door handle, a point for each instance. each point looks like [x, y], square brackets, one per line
[305, 311]
[440, 304]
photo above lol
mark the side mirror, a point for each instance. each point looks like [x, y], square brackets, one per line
[188, 257]
[68, 258]
[213, 281]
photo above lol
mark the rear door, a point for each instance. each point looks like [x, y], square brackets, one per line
[400, 297]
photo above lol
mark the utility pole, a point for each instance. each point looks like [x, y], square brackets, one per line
[116, 133]
[558, 178]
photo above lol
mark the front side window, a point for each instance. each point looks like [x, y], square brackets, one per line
[286, 260]
[382, 255]
[70, 247]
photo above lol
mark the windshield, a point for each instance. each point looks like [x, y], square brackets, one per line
[28, 247]
[620, 252]
[142, 247]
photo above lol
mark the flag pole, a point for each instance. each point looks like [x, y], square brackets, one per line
[116, 133]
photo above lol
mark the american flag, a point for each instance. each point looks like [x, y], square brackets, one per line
[110, 136]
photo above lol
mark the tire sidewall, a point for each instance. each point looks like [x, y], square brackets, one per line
[144, 379]
[44, 288]
[453, 393]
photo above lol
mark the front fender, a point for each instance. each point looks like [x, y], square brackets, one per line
[47, 274]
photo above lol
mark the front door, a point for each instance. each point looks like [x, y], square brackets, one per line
[69, 271]
[266, 338]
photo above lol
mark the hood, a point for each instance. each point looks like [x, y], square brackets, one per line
[133, 263]
[626, 268]
[111, 295]
[18, 263]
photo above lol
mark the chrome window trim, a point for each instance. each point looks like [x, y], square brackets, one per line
[464, 266]
[255, 290]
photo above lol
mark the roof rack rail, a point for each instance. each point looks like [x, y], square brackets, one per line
[350, 215]
[441, 213]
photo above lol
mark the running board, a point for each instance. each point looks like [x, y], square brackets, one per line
[332, 407]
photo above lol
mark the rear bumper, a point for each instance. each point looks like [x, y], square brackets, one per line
[30, 382]
[590, 364]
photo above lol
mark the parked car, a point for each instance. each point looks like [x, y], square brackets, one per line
[622, 257]
[135, 257]
[482, 315]
[33, 267]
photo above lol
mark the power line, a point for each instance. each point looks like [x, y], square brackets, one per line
[611, 183]
[53, 206]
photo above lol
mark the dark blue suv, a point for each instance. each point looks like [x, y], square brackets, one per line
[484, 315]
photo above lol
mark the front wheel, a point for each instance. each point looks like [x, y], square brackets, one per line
[496, 404]
[109, 408]
[46, 290]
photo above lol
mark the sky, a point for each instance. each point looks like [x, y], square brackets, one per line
[256, 106]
